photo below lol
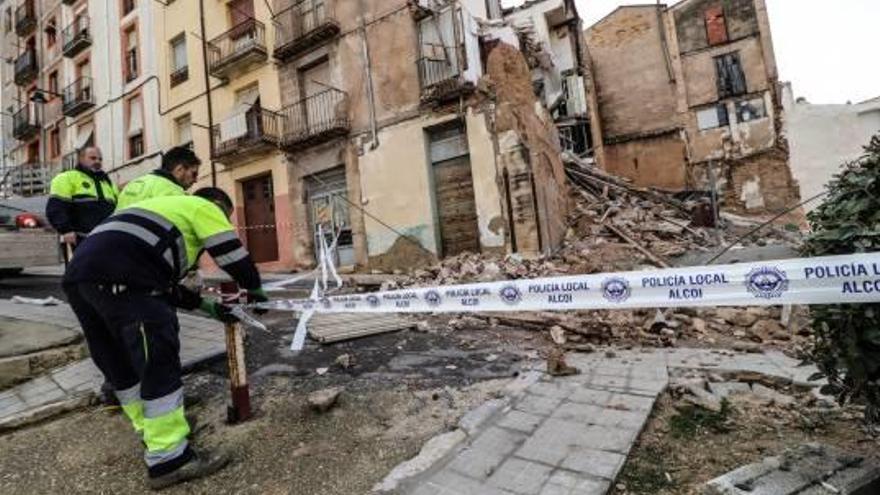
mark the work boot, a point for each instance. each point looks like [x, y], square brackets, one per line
[108, 395]
[203, 464]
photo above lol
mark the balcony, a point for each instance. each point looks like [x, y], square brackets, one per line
[76, 37]
[315, 120]
[25, 123]
[307, 24]
[25, 18]
[260, 130]
[180, 75]
[78, 97]
[440, 79]
[26, 68]
[31, 178]
[238, 49]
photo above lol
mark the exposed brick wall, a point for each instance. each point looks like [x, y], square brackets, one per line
[739, 17]
[657, 161]
[635, 94]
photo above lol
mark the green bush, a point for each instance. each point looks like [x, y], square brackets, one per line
[847, 337]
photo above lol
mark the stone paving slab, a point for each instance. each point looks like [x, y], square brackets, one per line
[201, 339]
[571, 435]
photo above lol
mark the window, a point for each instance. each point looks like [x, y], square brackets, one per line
[179, 64]
[713, 117]
[7, 25]
[55, 143]
[716, 28]
[128, 6]
[135, 128]
[183, 129]
[730, 78]
[131, 55]
[53, 83]
[749, 110]
[51, 33]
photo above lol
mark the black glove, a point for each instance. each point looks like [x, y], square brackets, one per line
[185, 298]
[257, 296]
[218, 311]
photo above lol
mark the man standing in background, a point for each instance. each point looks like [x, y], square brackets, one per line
[81, 198]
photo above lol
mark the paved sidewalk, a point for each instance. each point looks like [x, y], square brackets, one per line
[73, 385]
[572, 435]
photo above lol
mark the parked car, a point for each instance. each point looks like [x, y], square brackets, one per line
[26, 239]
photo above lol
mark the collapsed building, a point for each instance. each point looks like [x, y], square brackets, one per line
[416, 130]
[686, 98]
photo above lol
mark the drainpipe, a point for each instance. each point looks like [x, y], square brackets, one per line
[208, 93]
[368, 74]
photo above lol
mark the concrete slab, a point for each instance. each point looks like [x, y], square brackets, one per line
[570, 435]
[72, 385]
[21, 336]
[808, 468]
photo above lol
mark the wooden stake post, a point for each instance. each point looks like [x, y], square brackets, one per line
[240, 409]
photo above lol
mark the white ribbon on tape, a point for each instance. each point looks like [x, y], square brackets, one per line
[327, 267]
[824, 280]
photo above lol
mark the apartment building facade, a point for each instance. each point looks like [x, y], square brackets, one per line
[401, 145]
[686, 98]
[222, 97]
[80, 77]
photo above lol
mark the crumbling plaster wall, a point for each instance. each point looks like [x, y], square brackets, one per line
[518, 110]
[397, 181]
[739, 139]
[700, 79]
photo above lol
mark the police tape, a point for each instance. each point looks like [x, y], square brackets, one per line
[823, 280]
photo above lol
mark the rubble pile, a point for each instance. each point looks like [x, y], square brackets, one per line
[617, 227]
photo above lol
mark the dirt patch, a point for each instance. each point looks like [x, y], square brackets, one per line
[663, 462]
[404, 252]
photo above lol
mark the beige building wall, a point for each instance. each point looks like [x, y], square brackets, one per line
[372, 54]
[188, 98]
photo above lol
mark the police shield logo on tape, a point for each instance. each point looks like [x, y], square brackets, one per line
[767, 282]
[433, 298]
[616, 290]
[510, 294]
[373, 301]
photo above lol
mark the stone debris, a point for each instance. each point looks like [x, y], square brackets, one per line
[558, 334]
[710, 394]
[556, 365]
[322, 400]
[345, 361]
[659, 224]
[807, 469]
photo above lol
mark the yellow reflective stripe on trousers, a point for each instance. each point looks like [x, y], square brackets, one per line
[165, 437]
[135, 413]
[132, 406]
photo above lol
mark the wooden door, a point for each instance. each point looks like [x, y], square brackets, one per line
[259, 219]
[456, 207]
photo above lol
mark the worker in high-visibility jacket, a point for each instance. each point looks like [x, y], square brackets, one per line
[179, 171]
[81, 198]
[123, 287]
